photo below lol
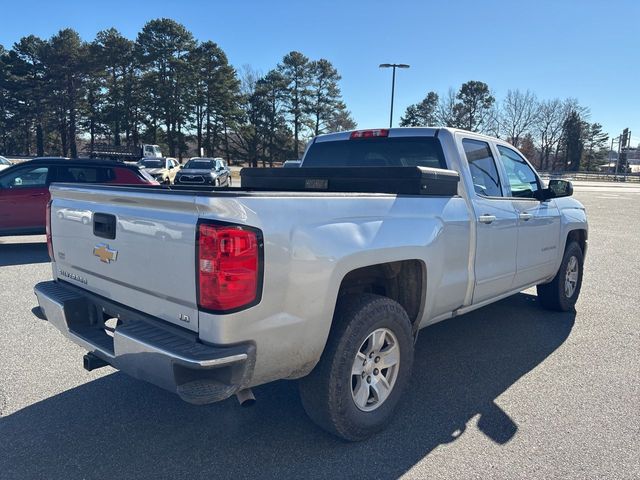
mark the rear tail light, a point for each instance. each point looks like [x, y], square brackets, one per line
[48, 230]
[381, 132]
[229, 267]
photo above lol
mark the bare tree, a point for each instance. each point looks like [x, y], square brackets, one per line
[446, 114]
[551, 115]
[493, 123]
[519, 113]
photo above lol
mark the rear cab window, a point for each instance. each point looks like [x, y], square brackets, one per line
[376, 152]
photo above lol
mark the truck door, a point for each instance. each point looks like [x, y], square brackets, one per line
[538, 222]
[496, 224]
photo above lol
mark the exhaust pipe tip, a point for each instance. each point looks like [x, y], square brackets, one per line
[245, 397]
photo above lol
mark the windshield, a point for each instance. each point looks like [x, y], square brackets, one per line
[201, 164]
[4, 161]
[152, 163]
[377, 152]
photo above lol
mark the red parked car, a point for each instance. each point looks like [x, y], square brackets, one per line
[24, 188]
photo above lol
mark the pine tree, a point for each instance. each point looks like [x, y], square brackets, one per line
[326, 99]
[595, 147]
[423, 114]
[572, 142]
[473, 105]
[296, 69]
[165, 47]
[66, 60]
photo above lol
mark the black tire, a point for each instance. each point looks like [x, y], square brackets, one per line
[552, 295]
[326, 392]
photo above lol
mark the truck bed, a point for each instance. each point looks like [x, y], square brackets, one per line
[314, 237]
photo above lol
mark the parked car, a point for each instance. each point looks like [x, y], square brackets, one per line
[76, 215]
[291, 164]
[204, 171]
[24, 188]
[164, 170]
[4, 163]
[324, 273]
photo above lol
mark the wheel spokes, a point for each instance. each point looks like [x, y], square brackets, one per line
[361, 393]
[381, 389]
[389, 357]
[375, 369]
[358, 364]
[377, 340]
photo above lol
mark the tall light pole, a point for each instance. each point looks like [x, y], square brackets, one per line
[393, 83]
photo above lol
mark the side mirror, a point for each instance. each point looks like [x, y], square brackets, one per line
[556, 189]
[561, 188]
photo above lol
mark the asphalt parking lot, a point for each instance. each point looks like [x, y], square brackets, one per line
[509, 391]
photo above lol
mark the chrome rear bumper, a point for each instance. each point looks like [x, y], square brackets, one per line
[147, 348]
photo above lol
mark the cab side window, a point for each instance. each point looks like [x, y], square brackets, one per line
[521, 177]
[482, 165]
[82, 175]
[26, 178]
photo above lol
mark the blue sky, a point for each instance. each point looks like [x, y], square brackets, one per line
[563, 48]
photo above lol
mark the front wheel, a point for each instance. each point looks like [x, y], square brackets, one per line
[356, 386]
[563, 291]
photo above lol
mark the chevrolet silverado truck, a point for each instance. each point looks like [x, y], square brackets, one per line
[323, 273]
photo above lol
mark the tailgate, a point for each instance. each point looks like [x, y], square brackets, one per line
[134, 246]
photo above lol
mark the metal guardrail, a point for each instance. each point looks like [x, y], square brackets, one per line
[593, 176]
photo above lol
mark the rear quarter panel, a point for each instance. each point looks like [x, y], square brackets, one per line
[311, 243]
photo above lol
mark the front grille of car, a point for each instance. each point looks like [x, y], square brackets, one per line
[191, 179]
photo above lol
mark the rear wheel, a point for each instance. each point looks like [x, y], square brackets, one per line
[356, 386]
[563, 291]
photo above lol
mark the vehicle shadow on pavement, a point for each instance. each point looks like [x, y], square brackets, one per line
[23, 254]
[119, 427]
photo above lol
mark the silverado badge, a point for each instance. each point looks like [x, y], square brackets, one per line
[104, 253]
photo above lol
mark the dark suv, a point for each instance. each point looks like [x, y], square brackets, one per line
[204, 171]
[24, 188]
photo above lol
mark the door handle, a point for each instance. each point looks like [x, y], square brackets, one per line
[486, 218]
[525, 216]
[37, 194]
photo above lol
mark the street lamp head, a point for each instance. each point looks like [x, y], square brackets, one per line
[396, 65]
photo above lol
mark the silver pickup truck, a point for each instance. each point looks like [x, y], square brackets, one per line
[323, 273]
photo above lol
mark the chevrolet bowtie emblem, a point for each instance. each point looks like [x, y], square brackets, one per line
[104, 253]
